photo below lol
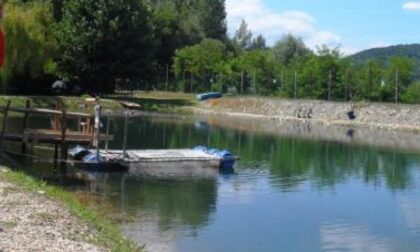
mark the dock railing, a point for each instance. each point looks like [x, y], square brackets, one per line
[87, 133]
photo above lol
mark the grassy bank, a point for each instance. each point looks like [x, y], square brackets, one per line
[109, 236]
[161, 102]
[70, 103]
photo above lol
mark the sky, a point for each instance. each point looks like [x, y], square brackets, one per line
[354, 25]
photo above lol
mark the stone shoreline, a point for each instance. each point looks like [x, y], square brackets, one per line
[378, 125]
[31, 221]
[367, 115]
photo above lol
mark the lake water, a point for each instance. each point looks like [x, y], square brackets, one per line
[287, 193]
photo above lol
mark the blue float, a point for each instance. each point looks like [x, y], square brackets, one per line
[207, 96]
[227, 158]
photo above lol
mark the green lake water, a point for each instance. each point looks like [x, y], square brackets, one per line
[286, 194]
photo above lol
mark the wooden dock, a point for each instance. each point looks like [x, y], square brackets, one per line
[180, 162]
[60, 134]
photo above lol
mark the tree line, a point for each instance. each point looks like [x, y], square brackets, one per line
[181, 45]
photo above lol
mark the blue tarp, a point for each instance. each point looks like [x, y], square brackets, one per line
[93, 158]
[78, 152]
[228, 160]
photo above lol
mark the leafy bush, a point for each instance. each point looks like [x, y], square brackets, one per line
[412, 94]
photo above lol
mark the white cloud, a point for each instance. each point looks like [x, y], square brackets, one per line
[349, 50]
[273, 25]
[324, 38]
[411, 6]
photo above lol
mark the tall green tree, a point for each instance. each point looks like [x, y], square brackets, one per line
[258, 43]
[243, 36]
[213, 19]
[289, 48]
[103, 41]
[399, 75]
[371, 79]
[201, 62]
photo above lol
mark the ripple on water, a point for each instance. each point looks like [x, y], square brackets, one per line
[342, 236]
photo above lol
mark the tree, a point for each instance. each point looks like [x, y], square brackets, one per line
[29, 49]
[289, 48]
[370, 80]
[321, 75]
[398, 76]
[243, 36]
[213, 19]
[201, 61]
[102, 41]
[258, 43]
[412, 94]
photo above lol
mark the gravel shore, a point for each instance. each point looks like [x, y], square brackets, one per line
[368, 115]
[30, 221]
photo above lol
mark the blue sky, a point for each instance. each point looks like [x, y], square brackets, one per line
[353, 24]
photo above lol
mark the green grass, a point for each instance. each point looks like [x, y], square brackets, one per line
[71, 103]
[162, 102]
[109, 234]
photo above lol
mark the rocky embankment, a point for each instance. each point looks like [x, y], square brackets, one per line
[370, 115]
[30, 221]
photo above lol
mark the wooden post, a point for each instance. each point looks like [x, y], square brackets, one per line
[58, 106]
[221, 82]
[329, 85]
[55, 152]
[108, 122]
[255, 82]
[397, 80]
[97, 128]
[242, 82]
[282, 79]
[125, 134]
[167, 77]
[295, 85]
[191, 82]
[25, 125]
[4, 128]
[63, 135]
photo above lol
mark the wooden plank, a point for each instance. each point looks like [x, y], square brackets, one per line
[56, 138]
[5, 121]
[56, 135]
[47, 112]
[25, 125]
[63, 135]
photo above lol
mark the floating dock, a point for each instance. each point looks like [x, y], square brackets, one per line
[164, 163]
[158, 163]
[142, 156]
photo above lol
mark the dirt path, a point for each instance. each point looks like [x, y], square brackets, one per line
[30, 221]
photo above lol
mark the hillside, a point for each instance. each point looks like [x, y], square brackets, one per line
[411, 51]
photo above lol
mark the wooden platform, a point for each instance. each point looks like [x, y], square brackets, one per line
[52, 136]
[142, 156]
[182, 163]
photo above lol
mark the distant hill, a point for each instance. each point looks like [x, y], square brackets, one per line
[411, 51]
